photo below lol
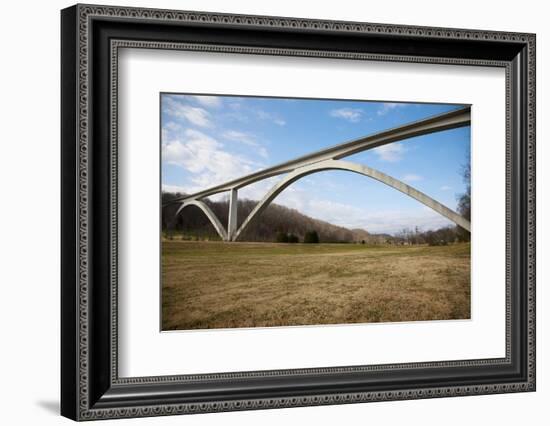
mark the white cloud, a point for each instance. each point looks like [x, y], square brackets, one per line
[393, 221]
[237, 115]
[203, 157]
[195, 115]
[172, 126]
[258, 190]
[247, 139]
[411, 177]
[351, 217]
[392, 152]
[244, 113]
[337, 213]
[208, 101]
[270, 117]
[352, 115]
[446, 188]
[388, 106]
[174, 188]
[169, 129]
[193, 153]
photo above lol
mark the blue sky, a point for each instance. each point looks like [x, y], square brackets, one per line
[207, 140]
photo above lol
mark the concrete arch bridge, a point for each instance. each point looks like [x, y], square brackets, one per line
[329, 159]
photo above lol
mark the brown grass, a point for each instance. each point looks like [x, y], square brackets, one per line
[225, 285]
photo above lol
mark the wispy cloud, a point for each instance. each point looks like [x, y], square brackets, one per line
[387, 107]
[353, 115]
[392, 152]
[247, 139]
[263, 115]
[337, 213]
[243, 113]
[350, 216]
[446, 188]
[392, 221]
[171, 126]
[258, 190]
[242, 137]
[208, 101]
[194, 115]
[411, 177]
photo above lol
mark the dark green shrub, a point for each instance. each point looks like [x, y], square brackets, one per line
[293, 238]
[311, 237]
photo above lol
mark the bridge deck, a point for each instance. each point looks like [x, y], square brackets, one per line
[446, 121]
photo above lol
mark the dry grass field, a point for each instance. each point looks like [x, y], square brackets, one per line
[223, 285]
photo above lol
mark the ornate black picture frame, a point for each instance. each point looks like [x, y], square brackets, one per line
[91, 36]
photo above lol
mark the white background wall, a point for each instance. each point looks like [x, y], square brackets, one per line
[29, 223]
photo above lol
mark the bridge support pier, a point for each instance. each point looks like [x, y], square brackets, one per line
[232, 217]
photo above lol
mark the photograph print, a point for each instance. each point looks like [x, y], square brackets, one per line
[302, 212]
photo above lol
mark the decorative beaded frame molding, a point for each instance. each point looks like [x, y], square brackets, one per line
[81, 406]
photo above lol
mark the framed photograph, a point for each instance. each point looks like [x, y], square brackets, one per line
[263, 212]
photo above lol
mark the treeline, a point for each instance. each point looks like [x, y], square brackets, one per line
[310, 237]
[448, 234]
[441, 236]
[274, 221]
[284, 225]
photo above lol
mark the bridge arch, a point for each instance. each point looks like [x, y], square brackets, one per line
[356, 168]
[208, 212]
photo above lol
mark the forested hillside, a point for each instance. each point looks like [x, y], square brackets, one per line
[275, 219]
